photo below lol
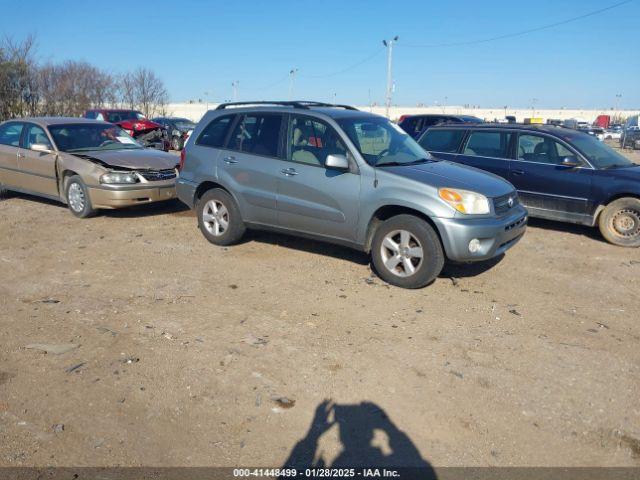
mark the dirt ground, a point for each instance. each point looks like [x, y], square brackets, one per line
[191, 354]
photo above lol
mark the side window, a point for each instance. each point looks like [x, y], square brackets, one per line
[10, 134]
[35, 134]
[90, 114]
[438, 140]
[310, 141]
[541, 149]
[214, 134]
[257, 133]
[488, 144]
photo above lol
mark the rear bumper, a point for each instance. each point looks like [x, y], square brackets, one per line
[186, 192]
[496, 235]
[124, 196]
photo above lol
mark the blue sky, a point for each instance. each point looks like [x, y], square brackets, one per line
[198, 46]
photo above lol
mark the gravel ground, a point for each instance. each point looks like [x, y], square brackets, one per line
[184, 353]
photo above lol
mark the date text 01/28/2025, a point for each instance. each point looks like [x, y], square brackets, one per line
[316, 472]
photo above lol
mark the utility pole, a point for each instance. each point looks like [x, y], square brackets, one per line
[292, 80]
[618, 97]
[389, 45]
[235, 85]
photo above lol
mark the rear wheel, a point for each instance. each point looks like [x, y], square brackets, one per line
[78, 198]
[407, 252]
[219, 218]
[620, 222]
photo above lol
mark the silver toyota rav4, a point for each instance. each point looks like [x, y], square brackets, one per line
[334, 173]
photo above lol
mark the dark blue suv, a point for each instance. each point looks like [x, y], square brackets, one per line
[559, 173]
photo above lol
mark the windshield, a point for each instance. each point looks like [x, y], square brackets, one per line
[599, 154]
[89, 136]
[122, 115]
[381, 142]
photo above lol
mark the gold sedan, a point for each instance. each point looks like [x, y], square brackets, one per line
[86, 164]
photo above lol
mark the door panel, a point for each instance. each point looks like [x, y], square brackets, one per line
[547, 188]
[38, 171]
[488, 150]
[9, 144]
[318, 200]
[251, 165]
[38, 168]
[312, 198]
[254, 180]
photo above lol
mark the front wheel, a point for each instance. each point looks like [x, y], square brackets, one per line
[407, 252]
[78, 198]
[219, 218]
[620, 222]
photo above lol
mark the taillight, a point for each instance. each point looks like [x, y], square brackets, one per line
[402, 117]
[183, 154]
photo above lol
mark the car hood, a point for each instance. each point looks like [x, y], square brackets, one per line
[454, 175]
[626, 173]
[142, 159]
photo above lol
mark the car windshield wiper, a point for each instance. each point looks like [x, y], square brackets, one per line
[616, 165]
[404, 164]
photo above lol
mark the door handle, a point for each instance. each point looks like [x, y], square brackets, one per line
[21, 155]
[517, 172]
[230, 160]
[289, 172]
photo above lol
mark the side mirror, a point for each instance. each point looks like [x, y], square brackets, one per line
[570, 162]
[338, 162]
[41, 147]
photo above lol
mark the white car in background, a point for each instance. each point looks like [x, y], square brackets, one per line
[613, 133]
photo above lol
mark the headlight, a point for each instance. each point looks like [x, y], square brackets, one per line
[464, 201]
[114, 178]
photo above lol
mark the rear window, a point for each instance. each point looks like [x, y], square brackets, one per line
[10, 134]
[214, 134]
[488, 144]
[440, 140]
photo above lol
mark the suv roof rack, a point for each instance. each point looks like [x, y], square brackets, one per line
[303, 104]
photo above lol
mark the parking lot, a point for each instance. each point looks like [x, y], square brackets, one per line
[191, 354]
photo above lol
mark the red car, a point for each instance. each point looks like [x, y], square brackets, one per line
[149, 133]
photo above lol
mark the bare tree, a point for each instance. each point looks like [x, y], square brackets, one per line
[71, 87]
[144, 90]
[18, 89]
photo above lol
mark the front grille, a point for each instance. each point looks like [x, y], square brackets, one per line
[158, 175]
[502, 205]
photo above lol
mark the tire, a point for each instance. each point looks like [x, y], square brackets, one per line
[176, 143]
[393, 244]
[77, 197]
[620, 222]
[222, 225]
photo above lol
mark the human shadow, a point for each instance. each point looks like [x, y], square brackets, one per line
[369, 439]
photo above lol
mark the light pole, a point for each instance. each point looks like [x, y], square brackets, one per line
[292, 79]
[389, 45]
[206, 96]
[533, 107]
[618, 97]
[444, 105]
